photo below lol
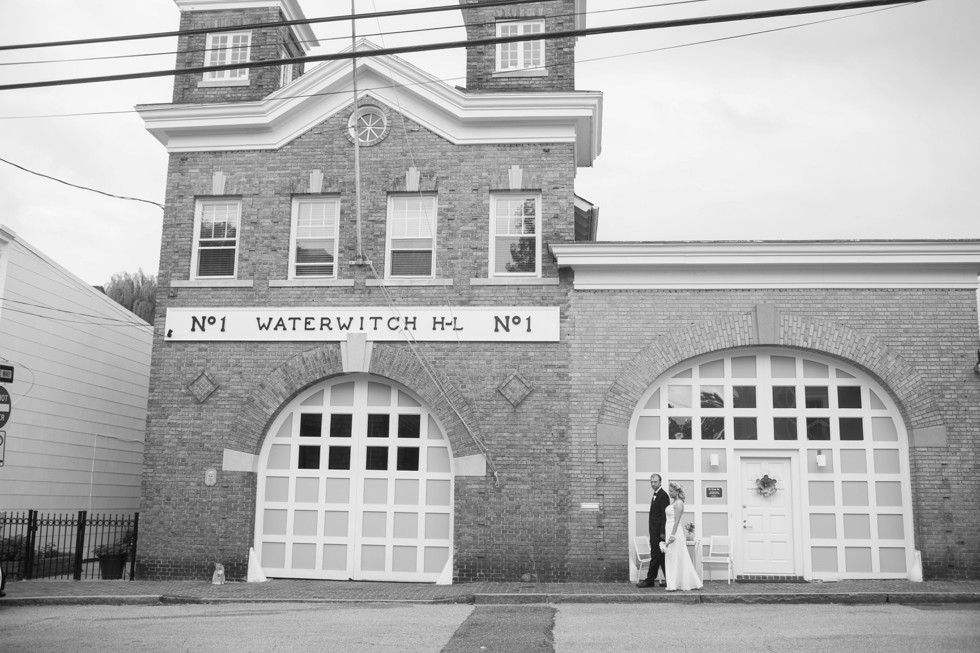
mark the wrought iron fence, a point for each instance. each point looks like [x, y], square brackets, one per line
[76, 546]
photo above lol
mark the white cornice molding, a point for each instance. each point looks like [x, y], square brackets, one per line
[772, 264]
[290, 9]
[460, 117]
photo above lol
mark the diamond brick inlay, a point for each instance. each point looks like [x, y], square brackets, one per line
[203, 386]
[516, 388]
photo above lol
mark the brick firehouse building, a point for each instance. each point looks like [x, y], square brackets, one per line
[389, 347]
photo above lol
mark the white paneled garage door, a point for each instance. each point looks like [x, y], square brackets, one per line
[355, 482]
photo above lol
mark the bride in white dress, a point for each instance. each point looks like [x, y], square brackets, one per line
[678, 567]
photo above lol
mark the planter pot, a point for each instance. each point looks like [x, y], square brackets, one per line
[111, 567]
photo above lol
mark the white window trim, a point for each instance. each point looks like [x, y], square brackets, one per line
[492, 272]
[211, 59]
[522, 65]
[196, 249]
[434, 228]
[297, 201]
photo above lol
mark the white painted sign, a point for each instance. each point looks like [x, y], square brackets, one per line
[333, 324]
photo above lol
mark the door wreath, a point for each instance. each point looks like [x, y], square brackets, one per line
[766, 486]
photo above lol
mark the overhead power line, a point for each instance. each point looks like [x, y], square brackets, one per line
[284, 23]
[380, 34]
[91, 190]
[360, 54]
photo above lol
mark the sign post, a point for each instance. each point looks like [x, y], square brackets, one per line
[4, 405]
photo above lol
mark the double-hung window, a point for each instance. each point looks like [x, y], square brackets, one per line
[313, 246]
[520, 55]
[216, 227]
[515, 225]
[228, 48]
[411, 236]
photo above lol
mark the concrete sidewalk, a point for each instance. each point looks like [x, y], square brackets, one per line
[44, 592]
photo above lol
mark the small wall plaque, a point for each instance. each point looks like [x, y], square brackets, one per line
[713, 492]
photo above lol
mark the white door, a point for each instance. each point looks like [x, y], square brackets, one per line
[767, 521]
[355, 482]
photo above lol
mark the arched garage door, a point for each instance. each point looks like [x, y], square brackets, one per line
[355, 482]
[827, 434]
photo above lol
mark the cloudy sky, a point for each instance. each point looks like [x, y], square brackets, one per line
[865, 127]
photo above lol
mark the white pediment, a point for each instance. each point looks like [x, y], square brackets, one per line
[460, 117]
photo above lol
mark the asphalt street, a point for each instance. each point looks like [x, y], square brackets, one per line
[562, 628]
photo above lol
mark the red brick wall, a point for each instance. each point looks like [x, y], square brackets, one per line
[623, 340]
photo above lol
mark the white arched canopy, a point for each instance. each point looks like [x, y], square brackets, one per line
[355, 481]
[828, 435]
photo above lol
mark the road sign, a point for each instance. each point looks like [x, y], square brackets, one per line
[4, 405]
[3, 446]
[6, 373]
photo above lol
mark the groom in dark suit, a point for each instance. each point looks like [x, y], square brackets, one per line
[658, 521]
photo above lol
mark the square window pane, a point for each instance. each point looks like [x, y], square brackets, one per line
[783, 396]
[648, 428]
[408, 459]
[817, 428]
[340, 426]
[437, 460]
[679, 396]
[307, 490]
[436, 526]
[712, 396]
[309, 457]
[310, 425]
[339, 458]
[374, 524]
[743, 396]
[377, 426]
[276, 488]
[815, 370]
[743, 367]
[851, 428]
[817, 397]
[712, 428]
[783, 367]
[849, 397]
[375, 491]
[437, 493]
[335, 523]
[406, 524]
[679, 428]
[406, 492]
[409, 426]
[746, 428]
[404, 558]
[784, 428]
[377, 458]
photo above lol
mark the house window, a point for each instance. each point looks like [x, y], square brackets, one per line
[411, 235]
[521, 55]
[313, 244]
[228, 48]
[286, 70]
[216, 245]
[515, 248]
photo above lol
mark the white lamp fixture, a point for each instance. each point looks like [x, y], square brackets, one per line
[714, 460]
[821, 459]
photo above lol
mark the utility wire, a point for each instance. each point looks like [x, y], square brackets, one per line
[456, 79]
[68, 183]
[380, 34]
[284, 23]
[542, 36]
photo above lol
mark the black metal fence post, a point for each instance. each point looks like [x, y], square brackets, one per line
[31, 540]
[136, 539]
[80, 544]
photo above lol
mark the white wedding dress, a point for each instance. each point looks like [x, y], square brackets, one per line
[678, 568]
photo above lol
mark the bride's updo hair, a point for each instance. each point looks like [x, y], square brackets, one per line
[676, 487]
